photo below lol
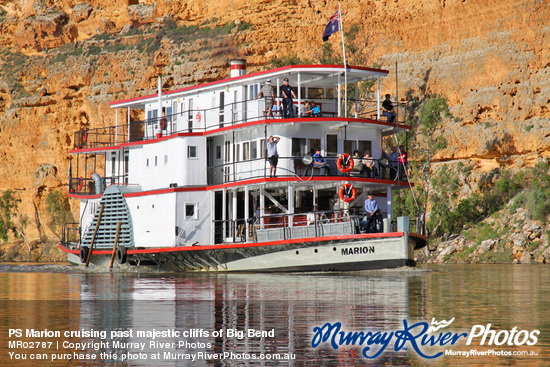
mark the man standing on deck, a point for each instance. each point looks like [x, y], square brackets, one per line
[269, 95]
[272, 155]
[288, 94]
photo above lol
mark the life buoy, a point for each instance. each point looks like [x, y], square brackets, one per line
[345, 163]
[121, 254]
[85, 136]
[348, 193]
[163, 123]
[198, 117]
[80, 183]
[83, 254]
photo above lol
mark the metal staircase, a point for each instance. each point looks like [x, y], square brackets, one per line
[115, 210]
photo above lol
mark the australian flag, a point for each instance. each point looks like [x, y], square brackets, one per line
[333, 26]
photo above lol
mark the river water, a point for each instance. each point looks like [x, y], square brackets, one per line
[67, 316]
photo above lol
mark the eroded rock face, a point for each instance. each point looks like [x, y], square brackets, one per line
[62, 62]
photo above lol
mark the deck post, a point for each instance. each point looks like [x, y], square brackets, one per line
[378, 98]
[299, 94]
[356, 97]
[234, 213]
[157, 125]
[262, 208]
[116, 126]
[246, 212]
[291, 203]
[224, 210]
[389, 203]
[128, 125]
[339, 97]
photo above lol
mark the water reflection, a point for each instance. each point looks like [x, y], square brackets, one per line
[291, 305]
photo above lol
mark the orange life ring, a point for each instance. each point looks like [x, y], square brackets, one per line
[345, 163]
[163, 123]
[198, 117]
[80, 184]
[348, 192]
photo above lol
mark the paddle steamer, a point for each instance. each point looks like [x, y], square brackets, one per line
[188, 186]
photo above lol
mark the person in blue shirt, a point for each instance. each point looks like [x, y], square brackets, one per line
[319, 162]
[371, 207]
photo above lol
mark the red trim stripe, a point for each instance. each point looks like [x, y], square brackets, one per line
[244, 183]
[242, 245]
[236, 127]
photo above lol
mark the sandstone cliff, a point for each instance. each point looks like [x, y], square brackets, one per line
[62, 62]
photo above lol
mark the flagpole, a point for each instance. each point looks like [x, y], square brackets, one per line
[345, 63]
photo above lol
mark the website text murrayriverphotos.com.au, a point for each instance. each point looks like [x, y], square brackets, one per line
[427, 340]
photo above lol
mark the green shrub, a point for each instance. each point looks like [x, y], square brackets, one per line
[57, 206]
[8, 211]
[538, 204]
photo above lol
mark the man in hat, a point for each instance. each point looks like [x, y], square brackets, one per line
[288, 94]
[267, 92]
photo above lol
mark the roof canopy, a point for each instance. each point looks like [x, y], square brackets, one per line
[320, 76]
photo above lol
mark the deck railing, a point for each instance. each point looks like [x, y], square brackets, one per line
[203, 120]
[295, 167]
[288, 167]
[273, 227]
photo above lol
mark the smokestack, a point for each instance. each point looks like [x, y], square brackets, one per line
[238, 67]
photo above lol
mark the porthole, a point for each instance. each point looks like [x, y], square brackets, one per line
[316, 251]
[334, 249]
[297, 252]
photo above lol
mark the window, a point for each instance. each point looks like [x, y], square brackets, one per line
[253, 150]
[299, 147]
[126, 166]
[227, 151]
[147, 163]
[332, 145]
[246, 151]
[113, 163]
[253, 90]
[350, 146]
[365, 146]
[314, 144]
[190, 211]
[168, 114]
[191, 151]
[156, 161]
[218, 152]
[152, 116]
[262, 148]
[165, 159]
[329, 93]
[238, 153]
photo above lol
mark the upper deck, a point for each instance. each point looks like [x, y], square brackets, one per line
[218, 107]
